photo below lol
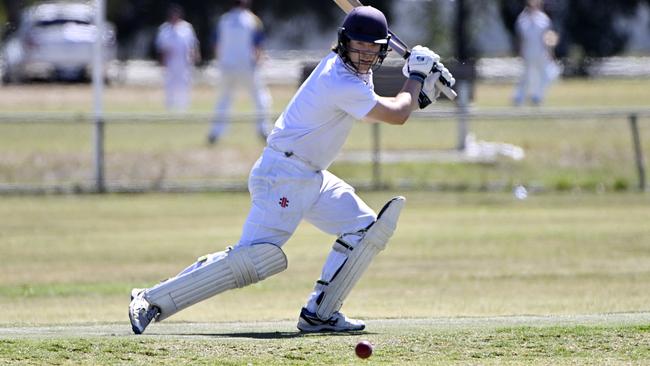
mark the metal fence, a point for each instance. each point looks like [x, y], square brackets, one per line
[54, 152]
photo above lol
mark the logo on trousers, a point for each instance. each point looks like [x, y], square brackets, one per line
[284, 202]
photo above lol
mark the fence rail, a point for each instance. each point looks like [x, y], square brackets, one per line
[375, 152]
[523, 113]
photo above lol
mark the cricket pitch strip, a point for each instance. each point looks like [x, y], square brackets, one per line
[287, 329]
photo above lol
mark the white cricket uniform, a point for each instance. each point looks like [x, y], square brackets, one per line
[538, 65]
[239, 33]
[177, 42]
[289, 181]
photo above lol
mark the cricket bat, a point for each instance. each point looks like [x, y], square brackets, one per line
[399, 46]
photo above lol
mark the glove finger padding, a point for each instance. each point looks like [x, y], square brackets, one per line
[445, 75]
[429, 91]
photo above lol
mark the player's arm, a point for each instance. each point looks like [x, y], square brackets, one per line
[161, 45]
[397, 110]
[215, 40]
[162, 56]
[195, 51]
[258, 39]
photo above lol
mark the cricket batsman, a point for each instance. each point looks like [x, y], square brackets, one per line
[290, 182]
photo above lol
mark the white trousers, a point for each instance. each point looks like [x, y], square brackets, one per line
[539, 72]
[285, 190]
[251, 81]
[178, 86]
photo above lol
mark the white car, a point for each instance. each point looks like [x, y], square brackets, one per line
[54, 41]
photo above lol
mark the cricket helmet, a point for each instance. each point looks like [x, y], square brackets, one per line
[365, 24]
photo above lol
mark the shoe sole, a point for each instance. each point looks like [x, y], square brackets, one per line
[326, 329]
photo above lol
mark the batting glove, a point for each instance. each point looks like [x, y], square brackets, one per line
[445, 76]
[429, 90]
[420, 63]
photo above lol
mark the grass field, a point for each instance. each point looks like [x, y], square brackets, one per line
[471, 278]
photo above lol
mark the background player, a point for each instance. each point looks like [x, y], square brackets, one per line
[238, 49]
[290, 182]
[178, 48]
[535, 39]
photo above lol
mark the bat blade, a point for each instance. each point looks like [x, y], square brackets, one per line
[397, 45]
[353, 3]
[347, 5]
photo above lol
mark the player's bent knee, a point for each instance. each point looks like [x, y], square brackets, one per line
[233, 268]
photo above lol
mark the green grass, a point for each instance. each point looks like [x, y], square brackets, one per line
[555, 254]
[416, 345]
[70, 261]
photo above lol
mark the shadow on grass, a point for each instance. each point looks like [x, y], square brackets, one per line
[275, 335]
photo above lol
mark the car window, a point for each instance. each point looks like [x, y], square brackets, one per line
[53, 22]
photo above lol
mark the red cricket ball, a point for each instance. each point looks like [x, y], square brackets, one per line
[363, 349]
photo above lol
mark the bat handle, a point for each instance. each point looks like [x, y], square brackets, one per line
[446, 90]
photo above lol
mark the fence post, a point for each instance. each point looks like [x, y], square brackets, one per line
[376, 157]
[638, 152]
[463, 102]
[98, 94]
[100, 186]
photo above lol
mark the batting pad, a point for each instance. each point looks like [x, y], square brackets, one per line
[229, 269]
[359, 258]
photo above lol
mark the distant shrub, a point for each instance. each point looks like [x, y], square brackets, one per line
[621, 184]
[563, 184]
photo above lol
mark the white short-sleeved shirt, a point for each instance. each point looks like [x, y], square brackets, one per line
[238, 32]
[531, 26]
[177, 41]
[318, 120]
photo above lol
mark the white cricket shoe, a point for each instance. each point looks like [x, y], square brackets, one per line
[310, 323]
[141, 313]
